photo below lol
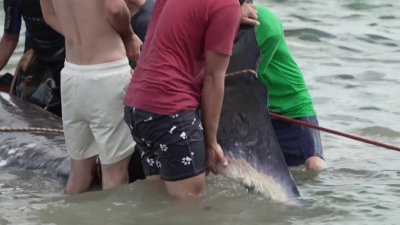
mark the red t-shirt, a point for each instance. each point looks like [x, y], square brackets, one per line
[169, 75]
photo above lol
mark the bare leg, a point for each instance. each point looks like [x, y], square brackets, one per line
[154, 178]
[157, 182]
[188, 188]
[315, 164]
[81, 175]
[116, 174]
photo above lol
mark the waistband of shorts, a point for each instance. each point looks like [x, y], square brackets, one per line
[103, 67]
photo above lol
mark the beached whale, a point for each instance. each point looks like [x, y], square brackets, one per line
[245, 133]
[44, 151]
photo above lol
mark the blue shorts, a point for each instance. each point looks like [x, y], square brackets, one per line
[298, 143]
[171, 146]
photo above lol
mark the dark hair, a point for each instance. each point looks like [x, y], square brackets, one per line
[245, 1]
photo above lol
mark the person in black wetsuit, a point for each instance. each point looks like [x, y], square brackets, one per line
[142, 12]
[49, 53]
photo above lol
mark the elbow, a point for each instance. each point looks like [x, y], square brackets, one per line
[215, 78]
[10, 40]
[52, 21]
[49, 19]
[114, 10]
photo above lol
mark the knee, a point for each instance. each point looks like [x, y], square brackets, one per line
[187, 189]
[115, 179]
[315, 164]
[71, 190]
[74, 187]
[115, 174]
[189, 193]
[196, 191]
[79, 181]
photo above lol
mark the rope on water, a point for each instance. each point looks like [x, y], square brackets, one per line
[30, 129]
[335, 132]
[274, 115]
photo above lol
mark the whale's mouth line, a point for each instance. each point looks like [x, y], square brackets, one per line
[242, 171]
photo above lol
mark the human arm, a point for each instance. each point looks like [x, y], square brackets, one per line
[269, 35]
[221, 31]
[134, 5]
[268, 49]
[212, 98]
[12, 27]
[8, 43]
[119, 17]
[50, 16]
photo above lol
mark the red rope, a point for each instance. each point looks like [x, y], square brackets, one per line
[335, 132]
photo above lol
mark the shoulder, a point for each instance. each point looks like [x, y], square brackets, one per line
[220, 5]
[269, 21]
[266, 17]
[8, 4]
[223, 10]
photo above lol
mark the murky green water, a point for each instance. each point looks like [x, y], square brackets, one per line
[349, 51]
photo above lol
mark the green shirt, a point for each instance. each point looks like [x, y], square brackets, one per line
[288, 93]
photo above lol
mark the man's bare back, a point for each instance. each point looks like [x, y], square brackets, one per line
[90, 35]
[99, 39]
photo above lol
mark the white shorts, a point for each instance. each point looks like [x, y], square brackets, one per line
[92, 111]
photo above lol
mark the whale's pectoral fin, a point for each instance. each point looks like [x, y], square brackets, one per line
[248, 139]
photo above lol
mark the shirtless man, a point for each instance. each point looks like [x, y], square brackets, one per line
[98, 39]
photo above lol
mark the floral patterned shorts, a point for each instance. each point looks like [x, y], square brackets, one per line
[171, 146]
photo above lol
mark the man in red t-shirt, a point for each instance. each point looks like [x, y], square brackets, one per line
[182, 69]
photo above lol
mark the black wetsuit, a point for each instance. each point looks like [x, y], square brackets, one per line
[140, 20]
[48, 45]
[139, 23]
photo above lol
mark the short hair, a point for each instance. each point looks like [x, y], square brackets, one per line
[245, 1]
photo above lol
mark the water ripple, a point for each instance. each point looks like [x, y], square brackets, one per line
[308, 32]
[379, 131]
[364, 6]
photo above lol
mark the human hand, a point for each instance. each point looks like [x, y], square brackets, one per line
[132, 47]
[249, 15]
[215, 155]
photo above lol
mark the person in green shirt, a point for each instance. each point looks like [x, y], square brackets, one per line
[288, 93]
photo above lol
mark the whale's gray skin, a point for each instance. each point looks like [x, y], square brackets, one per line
[245, 52]
[245, 134]
[249, 142]
[43, 151]
[245, 131]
